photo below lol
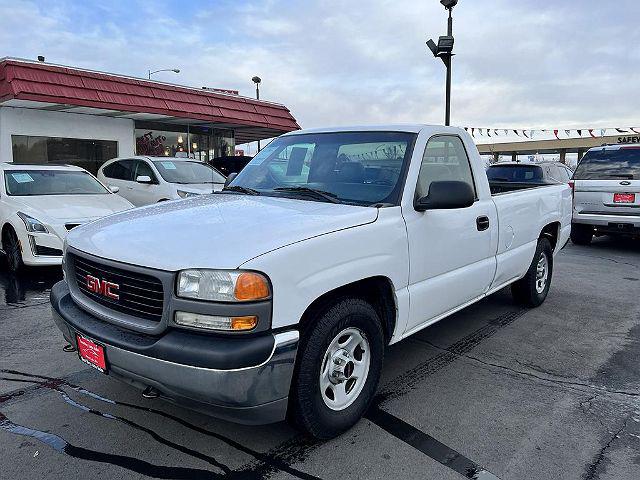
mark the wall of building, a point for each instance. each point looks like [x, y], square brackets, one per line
[25, 121]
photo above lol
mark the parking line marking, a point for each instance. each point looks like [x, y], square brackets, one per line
[428, 445]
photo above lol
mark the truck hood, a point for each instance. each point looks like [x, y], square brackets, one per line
[212, 231]
[61, 208]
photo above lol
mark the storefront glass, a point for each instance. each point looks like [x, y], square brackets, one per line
[201, 143]
[86, 153]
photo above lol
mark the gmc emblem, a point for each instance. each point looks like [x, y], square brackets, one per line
[103, 287]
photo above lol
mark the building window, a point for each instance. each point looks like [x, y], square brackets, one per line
[85, 153]
[200, 143]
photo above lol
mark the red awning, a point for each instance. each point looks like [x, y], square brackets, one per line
[56, 86]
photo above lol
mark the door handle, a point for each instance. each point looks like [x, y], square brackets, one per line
[482, 223]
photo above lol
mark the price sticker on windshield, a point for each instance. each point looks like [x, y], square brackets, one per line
[168, 165]
[22, 177]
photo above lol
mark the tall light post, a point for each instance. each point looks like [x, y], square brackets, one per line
[174, 70]
[257, 81]
[444, 50]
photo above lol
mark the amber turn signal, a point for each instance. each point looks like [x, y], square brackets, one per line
[251, 286]
[243, 323]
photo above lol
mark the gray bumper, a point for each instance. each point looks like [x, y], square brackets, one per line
[256, 394]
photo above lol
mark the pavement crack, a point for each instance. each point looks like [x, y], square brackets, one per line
[592, 468]
[549, 377]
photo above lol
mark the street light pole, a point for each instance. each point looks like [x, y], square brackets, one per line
[447, 63]
[174, 70]
[257, 80]
[444, 50]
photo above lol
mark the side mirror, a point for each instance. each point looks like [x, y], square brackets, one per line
[446, 195]
[143, 179]
[230, 179]
[114, 189]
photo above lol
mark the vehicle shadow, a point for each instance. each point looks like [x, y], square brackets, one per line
[31, 284]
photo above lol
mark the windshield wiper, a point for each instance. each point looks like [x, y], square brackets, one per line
[240, 189]
[327, 196]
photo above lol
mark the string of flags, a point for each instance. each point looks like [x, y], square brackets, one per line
[566, 133]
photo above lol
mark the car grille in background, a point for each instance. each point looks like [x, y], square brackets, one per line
[48, 251]
[69, 226]
[140, 295]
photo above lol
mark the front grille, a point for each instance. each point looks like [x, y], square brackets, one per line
[48, 251]
[140, 295]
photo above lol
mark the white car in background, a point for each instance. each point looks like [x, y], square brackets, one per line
[144, 180]
[39, 204]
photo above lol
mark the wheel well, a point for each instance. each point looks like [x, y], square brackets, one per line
[6, 228]
[551, 233]
[378, 291]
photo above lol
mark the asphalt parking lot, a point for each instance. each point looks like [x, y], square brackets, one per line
[492, 392]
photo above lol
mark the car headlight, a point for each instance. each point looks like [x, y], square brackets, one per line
[183, 194]
[32, 224]
[223, 285]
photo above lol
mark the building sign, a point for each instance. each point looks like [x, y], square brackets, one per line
[630, 139]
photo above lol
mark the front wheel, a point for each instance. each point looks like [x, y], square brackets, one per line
[532, 289]
[338, 369]
[12, 250]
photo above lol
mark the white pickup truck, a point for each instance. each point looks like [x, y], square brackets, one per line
[276, 297]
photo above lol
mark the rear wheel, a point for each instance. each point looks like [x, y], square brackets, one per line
[338, 369]
[13, 252]
[581, 234]
[533, 288]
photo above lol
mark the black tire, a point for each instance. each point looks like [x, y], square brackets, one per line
[307, 409]
[13, 253]
[527, 291]
[581, 234]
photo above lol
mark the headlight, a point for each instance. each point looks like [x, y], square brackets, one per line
[183, 194]
[32, 224]
[223, 285]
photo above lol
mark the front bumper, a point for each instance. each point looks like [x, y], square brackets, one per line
[199, 371]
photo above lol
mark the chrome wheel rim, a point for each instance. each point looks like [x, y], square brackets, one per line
[542, 272]
[344, 369]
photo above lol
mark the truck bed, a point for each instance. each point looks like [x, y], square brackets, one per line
[499, 188]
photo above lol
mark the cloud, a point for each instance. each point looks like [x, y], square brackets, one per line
[522, 64]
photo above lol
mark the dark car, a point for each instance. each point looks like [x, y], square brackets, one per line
[512, 175]
[230, 164]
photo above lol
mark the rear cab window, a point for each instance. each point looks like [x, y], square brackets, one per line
[515, 173]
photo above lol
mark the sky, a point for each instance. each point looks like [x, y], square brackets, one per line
[518, 64]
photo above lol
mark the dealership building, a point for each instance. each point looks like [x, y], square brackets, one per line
[53, 114]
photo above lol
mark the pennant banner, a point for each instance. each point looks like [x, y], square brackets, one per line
[530, 133]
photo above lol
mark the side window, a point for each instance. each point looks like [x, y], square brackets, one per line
[143, 168]
[120, 170]
[444, 159]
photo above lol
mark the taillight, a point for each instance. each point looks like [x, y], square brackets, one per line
[572, 184]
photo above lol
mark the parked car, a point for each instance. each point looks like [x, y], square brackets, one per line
[145, 180]
[230, 164]
[509, 175]
[276, 297]
[606, 187]
[39, 204]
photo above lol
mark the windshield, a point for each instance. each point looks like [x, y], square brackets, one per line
[182, 171]
[51, 182]
[606, 164]
[361, 168]
[515, 173]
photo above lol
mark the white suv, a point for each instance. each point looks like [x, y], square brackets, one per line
[145, 180]
[606, 193]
